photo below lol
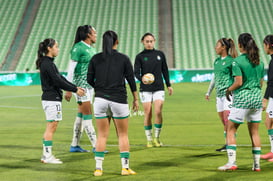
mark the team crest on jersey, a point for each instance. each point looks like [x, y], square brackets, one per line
[223, 63]
[145, 58]
[158, 57]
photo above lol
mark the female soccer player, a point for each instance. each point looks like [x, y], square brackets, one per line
[52, 83]
[81, 54]
[107, 72]
[248, 72]
[152, 61]
[268, 96]
[223, 79]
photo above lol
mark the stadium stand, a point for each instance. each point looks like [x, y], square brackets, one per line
[59, 19]
[11, 12]
[198, 24]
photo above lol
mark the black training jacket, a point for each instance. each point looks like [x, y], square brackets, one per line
[152, 61]
[107, 76]
[52, 81]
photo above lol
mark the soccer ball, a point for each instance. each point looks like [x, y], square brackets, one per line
[148, 78]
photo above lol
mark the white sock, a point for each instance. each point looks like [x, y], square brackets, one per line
[256, 156]
[148, 134]
[47, 151]
[89, 129]
[77, 131]
[125, 162]
[99, 161]
[231, 154]
[157, 132]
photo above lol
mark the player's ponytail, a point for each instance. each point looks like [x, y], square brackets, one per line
[249, 45]
[82, 33]
[109, 39]
[43, 50]
[268, 40]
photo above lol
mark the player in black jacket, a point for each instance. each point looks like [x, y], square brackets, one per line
[52, 83]
[152, 61]
[268, 96]
[107, 72]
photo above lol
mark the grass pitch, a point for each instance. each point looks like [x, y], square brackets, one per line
[191, 133]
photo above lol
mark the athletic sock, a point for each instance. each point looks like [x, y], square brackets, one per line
[77, 130]
[157, 130]
[256, 151]
[124, 156]
[148, 132]
[231, 152]
[99, 157]
[270, 134]
[89, 129]
[47, 148]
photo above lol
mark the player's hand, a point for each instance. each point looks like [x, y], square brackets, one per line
[135, 105]
[170, 90]
[144, 81]
[264, 104]
[228, 93]
[68, 96]
[207, 97]
[80, 91]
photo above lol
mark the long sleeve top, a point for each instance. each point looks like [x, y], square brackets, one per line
[269, 88]
[107, 76]
[52, 81]
[152, 61]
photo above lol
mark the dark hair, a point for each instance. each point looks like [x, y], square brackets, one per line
[268, 40]
[43, 50]
[82, 33]
[109, 39]
[248, 44]
[147, 34]
[230, 46]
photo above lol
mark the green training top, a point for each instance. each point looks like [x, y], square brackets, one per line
[248, 96]
[222, 75]
[82, 54]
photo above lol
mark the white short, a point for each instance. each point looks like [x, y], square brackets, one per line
[238, 115]
[89, 93]
[53, 110]
[104, 109]
[269, 108]
[151, 96]
[222, 104]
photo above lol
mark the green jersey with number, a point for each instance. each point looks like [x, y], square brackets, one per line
[222, 75]
[82, 54]
[248, 96]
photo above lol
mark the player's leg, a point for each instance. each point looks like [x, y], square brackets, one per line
[120, 116]
[269, 127]
[53, 111]
[102, 122]
[256, 144]
[220, 103]
[77, 133]
[146, 99]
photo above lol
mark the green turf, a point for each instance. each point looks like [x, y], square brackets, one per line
[191, 133]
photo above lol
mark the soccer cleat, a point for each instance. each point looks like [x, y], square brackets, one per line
[256, 169]
[222, 149]
[51, 160]
[267, 156]
[94, 151]
[150, 144]
[98, 172]
[228, 167]
[127, 171]
[157, 143]
[77, 149]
